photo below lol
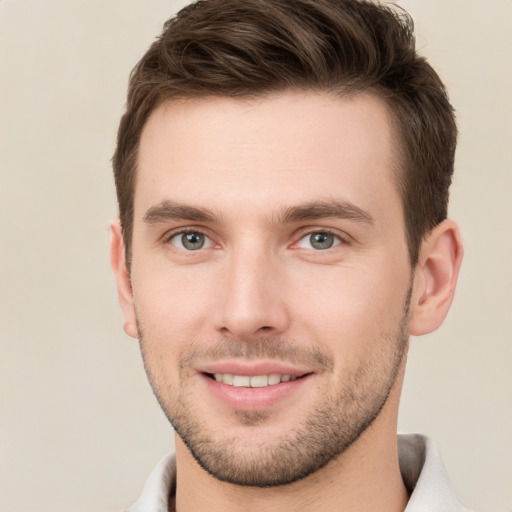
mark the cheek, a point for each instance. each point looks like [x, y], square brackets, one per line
[350, 310]
[171, 303]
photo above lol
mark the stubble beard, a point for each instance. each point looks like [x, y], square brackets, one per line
[336, 422]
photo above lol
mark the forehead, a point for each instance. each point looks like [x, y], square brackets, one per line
[280, 149]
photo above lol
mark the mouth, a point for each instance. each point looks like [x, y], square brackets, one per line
[255, 392]
[253, 381]
[254, 385]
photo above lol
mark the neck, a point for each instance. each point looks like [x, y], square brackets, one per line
[365, 477]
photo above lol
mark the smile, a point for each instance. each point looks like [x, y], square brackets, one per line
[256, 387]
[255, 381]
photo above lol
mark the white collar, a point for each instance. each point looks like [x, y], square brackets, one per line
[422, 470]
[425, 476]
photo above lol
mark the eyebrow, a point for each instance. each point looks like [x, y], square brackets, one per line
[324, 209]
[168, 211]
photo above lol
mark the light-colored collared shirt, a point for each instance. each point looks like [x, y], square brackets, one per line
[422, 470]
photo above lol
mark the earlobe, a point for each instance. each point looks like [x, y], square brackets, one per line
[435, 278]
[124, 288]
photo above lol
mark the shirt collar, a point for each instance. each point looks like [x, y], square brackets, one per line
[422, 470]
[425, 476]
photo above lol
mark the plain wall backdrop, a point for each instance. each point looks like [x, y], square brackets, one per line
[79, 427]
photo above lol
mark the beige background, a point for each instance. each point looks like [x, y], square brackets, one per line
[79, 427]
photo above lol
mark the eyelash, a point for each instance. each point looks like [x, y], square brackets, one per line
[167, 239]
[324, 231]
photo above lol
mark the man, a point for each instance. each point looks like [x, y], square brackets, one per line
[282, 172]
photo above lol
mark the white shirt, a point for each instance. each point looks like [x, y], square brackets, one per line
[422, 470]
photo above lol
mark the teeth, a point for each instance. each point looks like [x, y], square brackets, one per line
[226, 378]
[241, 381]
[257, 381]
[274, 378]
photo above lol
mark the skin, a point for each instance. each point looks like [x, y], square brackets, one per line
[245, 173]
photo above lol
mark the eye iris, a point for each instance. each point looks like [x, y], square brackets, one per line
[321, 240]
[192, 241]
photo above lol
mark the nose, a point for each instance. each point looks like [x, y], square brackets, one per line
[252, 299]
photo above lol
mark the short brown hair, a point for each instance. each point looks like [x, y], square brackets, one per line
[239, 48]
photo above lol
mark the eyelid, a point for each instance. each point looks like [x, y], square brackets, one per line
[300, 235]
[173, 233]
[343, 238]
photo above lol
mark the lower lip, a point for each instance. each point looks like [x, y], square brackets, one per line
[254, 399]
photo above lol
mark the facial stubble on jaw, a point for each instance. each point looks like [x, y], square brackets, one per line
[336, 422]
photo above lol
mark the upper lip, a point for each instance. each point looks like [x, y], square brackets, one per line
[252, 368]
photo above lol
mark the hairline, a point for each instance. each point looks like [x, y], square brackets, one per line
[341, 91]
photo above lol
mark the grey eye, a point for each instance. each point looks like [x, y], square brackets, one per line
[191, 241]
[320, 240]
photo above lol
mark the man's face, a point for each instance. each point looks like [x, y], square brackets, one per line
[269, 253]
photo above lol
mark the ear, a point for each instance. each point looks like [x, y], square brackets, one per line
[124, 287]
[435, 278]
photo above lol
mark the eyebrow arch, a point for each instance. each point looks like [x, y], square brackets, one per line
[168, 210]
[324, 209]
